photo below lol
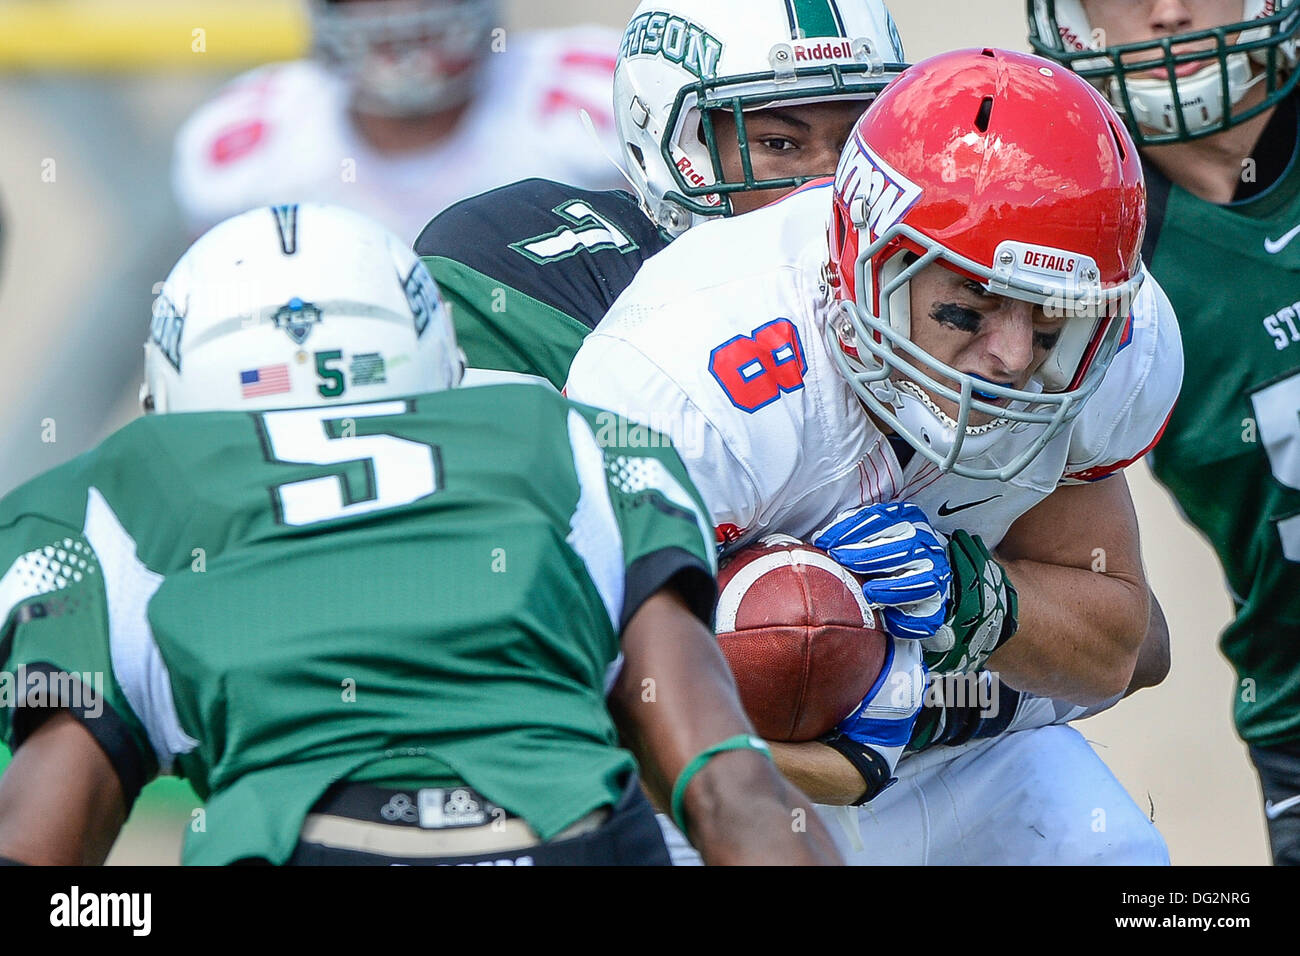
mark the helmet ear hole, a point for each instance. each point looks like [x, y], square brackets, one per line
[699, 130]
[147, 403]
[1119, 142]
[639, 157]
[984, 114]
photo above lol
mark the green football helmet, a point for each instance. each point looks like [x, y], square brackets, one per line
[1230, 60]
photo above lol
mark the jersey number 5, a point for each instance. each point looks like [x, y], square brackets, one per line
[1277, 410]
[370, 472]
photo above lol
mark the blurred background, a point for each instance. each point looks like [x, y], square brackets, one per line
[92, 93]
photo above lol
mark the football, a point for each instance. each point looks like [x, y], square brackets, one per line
[801, 640]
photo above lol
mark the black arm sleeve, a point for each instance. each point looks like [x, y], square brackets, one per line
[675, 568]
[103, 723]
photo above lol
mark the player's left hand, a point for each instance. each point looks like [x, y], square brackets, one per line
[904, 559]
[873, 736]
[984, 609]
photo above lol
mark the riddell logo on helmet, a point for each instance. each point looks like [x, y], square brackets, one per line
[877, 195]
[689, 173]
[820, 52]
[1071, 39]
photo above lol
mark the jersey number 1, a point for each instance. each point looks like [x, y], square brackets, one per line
[396, 471]
[1277, 410]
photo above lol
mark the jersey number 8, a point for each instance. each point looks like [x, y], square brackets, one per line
[755, 370]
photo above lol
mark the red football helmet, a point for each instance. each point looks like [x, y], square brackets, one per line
[1011, 171]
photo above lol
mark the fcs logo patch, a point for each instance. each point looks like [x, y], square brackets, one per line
[877, 195]
[297, 318]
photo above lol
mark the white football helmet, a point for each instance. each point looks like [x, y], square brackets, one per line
[1172, 108]
[291, 306]
[405, 57]
[681, 59]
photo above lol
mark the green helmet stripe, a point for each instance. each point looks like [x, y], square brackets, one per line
[814, 18]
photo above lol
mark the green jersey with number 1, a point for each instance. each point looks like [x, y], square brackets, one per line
[428, 589]
[1231, 452]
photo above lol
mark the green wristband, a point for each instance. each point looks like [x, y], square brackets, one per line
[738, 742]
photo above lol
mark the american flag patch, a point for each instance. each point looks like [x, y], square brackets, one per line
[267, 380]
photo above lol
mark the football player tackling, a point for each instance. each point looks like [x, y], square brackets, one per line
[1208, 91]
[936, 367]
[371, 618]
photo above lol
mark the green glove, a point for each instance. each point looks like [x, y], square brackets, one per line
[982, 609]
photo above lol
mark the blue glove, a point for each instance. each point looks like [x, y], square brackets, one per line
[872, 738]
[905, 559]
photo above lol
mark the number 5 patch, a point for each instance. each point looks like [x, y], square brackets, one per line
[754, 370]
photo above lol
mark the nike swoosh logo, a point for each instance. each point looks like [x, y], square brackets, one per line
[1274, 810]
[944, 510]
[1273, 247]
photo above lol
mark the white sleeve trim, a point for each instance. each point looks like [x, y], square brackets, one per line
[138, 665]
[593, 530]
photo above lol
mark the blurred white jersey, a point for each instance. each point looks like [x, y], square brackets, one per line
[282, 133]
[718, 343]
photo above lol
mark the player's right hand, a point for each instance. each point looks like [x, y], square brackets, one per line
[984, 612]
[904, 559]
[872, 738]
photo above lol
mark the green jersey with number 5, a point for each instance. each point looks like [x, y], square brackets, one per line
[1231, 452]
[419, 590]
